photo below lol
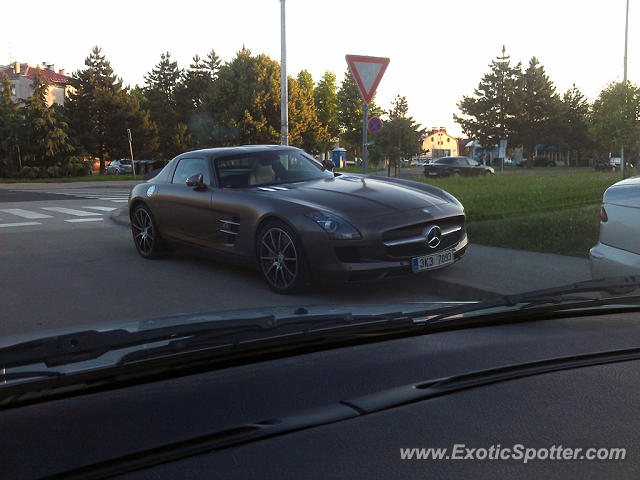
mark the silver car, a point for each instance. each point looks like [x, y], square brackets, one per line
[618, 250]
[122, 166]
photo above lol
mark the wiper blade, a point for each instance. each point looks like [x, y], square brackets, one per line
[550, 299]
[86, 345]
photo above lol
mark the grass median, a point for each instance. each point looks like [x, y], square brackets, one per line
[551, 213]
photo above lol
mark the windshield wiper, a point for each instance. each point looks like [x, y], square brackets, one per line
[539, 302]
[86, 345]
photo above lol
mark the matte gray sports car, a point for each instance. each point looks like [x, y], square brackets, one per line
[280, 209]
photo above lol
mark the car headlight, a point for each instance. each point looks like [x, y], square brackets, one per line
[336, 227]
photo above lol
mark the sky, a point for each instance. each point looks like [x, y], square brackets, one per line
[439, 50]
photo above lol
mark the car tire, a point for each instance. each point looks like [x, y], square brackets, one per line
[281, 258]
[146, 236]
[487, 173]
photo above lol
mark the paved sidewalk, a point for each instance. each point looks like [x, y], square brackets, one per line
[503, 271]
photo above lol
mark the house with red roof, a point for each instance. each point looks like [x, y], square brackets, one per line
[22, 74]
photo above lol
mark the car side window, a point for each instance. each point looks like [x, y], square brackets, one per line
[462, 162]
[191, 166]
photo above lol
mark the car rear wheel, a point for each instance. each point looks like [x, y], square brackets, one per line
[145, 234]
[281, 258]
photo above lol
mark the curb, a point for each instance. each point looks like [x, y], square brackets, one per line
[120, 217]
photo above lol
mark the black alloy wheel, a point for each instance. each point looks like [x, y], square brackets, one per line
[145, 234]
[281, 258]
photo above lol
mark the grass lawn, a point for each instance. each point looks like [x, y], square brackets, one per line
[552, 213]
[86, 178]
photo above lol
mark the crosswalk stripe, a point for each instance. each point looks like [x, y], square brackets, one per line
[77, 220]
[116, 200]
[19, 224]
[19, 212]
[103, 209]
[70, 211]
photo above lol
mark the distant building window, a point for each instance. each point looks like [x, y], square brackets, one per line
[433, 139]
[447, 137]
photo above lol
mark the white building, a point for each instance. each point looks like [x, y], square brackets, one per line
[22, 74]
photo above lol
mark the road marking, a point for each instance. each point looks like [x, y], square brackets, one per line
[76, 220]
[24, 213]
[103, 209]
[19, 224]
[70, 211]
[117, 200]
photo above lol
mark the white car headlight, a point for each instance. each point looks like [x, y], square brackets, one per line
[336, 227]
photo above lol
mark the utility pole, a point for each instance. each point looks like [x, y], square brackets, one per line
[623, 167]
[284, 112]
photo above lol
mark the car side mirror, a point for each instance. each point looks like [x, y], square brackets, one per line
[328, 165]
[196, 180]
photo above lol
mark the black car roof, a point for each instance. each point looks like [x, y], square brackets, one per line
[236, 149]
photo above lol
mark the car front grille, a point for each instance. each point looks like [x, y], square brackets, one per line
[410, 241]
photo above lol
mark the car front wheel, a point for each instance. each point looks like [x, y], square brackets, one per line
[281, 258]
[145, 234]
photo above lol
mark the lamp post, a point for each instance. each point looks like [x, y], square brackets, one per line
[623, 167]
[284, 113]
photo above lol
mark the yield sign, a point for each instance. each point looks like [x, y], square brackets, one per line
[367, 72]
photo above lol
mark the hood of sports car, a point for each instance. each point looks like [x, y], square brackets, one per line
[356, 195]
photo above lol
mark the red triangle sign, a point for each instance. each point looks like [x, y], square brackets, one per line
[367, 72]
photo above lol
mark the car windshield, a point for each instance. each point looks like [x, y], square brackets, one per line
[268, 167]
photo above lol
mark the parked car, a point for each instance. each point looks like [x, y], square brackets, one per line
[618, 251]
[117, 167]
[607, 165]
[456, 167]
[540, 161]
[279, 209]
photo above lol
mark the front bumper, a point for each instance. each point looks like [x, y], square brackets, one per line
[607, 261]
[327, 268]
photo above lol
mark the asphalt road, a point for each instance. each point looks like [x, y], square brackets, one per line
[64, 263]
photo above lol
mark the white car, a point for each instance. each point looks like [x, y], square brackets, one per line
[618, 250]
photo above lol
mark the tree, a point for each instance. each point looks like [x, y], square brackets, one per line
[305, 81]
[305, 131]
[400, 137]
[160, 99]
[574, 116]
[100, 111]
[192, 88]
[615, 119]
[325, 98]
[243, 105]
[45, 137]
[11, 126]
[350, 115]
[488, 115]
[537, 108]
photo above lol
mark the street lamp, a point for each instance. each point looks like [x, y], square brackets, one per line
[284, 114]
[624, 83]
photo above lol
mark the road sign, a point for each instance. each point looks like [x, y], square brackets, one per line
[374, 124]
[367, 72]
[503, 149]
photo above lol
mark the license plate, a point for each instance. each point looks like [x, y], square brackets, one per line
[433, 173]
[429, 262]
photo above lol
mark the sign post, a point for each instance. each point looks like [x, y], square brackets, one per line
[133, 167]
[367, 72]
